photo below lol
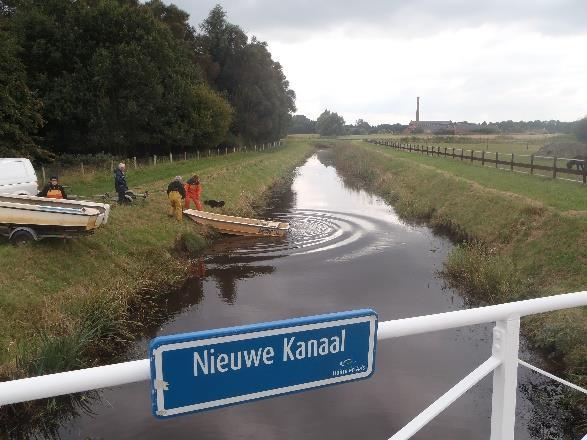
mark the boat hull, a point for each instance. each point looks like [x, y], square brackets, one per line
[103, 208]
[229, 224]
[22, 214]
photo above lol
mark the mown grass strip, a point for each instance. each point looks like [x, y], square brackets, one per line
[558, 194]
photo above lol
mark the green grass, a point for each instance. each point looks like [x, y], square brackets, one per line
[515, 143]
[559, 194]
[520, 236]
[59, 283]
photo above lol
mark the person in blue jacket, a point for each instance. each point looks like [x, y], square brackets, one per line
[120, 184]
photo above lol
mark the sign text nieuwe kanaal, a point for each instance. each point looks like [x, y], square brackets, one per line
[214, 368]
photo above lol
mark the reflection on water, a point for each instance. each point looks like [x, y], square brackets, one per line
[346, 250]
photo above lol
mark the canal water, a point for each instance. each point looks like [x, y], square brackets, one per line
[347, 250]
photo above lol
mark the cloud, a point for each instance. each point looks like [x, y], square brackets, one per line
[288, 20]
[468, 60]
[487, 73]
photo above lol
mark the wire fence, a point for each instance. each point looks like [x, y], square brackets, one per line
[572, 169]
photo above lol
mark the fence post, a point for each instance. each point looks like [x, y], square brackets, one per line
[554, 168]
[531, 164]
[512, 163]
[472, 156]
[584, 171]
[111, 166]
[185, 155]
[506, 342]
[170, 157]
[496, 159]
[483, 158]
[82, 168]
[154, 159]
[462, 153]
[198, 154]
[44, 176]
[134, 161]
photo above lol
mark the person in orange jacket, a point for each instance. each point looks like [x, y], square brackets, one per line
[193, 191]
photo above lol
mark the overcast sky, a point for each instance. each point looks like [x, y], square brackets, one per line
[469, 60]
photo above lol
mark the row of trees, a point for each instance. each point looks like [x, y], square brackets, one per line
[330, 123]
[131, 78]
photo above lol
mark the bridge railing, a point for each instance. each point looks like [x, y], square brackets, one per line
[503, 363]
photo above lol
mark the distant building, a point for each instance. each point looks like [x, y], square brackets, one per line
[428, 127]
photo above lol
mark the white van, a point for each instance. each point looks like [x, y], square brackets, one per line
[17, 176]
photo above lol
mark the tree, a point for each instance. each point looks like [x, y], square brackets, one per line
[300, 124]
[244, 71]
[114, 76]
[330, 124]
[581, 129]
[20, 116]
[361, 127]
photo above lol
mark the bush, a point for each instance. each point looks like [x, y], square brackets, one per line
[191, 243]
[481, 272]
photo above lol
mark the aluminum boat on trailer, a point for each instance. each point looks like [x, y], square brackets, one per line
[229, 224]
[103, 208]
[22, 222]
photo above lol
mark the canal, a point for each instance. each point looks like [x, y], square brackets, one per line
[347, 250]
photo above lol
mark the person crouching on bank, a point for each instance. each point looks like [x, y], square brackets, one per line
[176, 195]
[53, 190]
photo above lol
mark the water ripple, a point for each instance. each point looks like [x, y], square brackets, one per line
[345, 235]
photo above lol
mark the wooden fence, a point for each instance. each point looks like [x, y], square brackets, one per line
[573, 169]
[43, 172]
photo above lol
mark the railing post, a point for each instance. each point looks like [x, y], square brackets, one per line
[506, 342]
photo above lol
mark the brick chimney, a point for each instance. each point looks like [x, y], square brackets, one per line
[418, 109]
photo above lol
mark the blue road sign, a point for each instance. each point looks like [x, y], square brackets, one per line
[193, 372]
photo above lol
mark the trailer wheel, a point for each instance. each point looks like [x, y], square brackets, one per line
[21, 237]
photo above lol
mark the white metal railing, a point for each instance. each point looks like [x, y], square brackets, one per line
[503, 362]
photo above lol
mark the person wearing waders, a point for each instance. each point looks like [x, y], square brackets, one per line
[53, 190]
[120, 184]
[193, 191]
[176, 194]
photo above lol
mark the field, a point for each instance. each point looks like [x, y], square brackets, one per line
[90, 293]
[519, 144]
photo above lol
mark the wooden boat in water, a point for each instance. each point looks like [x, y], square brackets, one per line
[229, 224]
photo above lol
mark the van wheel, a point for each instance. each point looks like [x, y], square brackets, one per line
[21, 237]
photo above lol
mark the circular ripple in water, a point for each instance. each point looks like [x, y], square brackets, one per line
[345, 235]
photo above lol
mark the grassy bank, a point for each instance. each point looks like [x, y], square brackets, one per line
[63, 304]
[521, 236]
